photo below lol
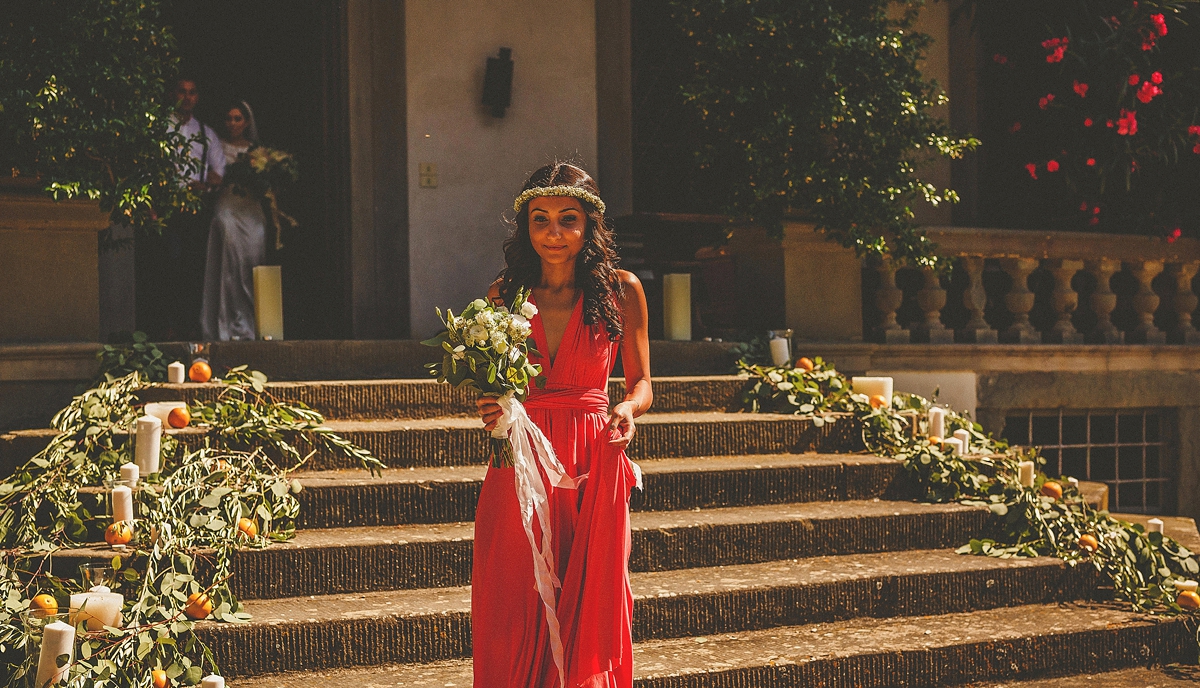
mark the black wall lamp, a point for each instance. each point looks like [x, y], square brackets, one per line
[497, 82]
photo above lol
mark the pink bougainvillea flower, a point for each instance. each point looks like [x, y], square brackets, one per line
[1016, 126]
[1091, 162]
[1081, 89]
[1134, 166]
[1083, 206]
[1148, 41]
[1057, 48]
[1194, 130]
[1087, 121]
[1196, 149]
[1110, 124]
[1127, 124]
[1160, 24]
[1156, 77]
[1052, 166]
[1096, 210]
[1032, 169]
[1000, 59]
[1134, 79]
[1094, 221]
[1043, 102]
[1147, 92]
[1173, 235]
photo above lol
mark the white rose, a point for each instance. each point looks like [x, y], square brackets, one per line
[528, 310]
[484, 318]
[519, 327]
[477, 333]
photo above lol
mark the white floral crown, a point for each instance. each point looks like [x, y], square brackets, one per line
[572, 191]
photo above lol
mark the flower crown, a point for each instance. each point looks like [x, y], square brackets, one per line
[572, 191]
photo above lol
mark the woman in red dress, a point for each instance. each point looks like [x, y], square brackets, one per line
[587, 310]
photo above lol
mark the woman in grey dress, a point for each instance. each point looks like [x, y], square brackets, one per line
[236, 243]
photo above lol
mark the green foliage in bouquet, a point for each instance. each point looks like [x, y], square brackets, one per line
[187, 529]
[1141, 566]
[83, 106]
[820, 108]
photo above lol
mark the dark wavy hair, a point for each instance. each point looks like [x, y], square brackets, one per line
[595, 267]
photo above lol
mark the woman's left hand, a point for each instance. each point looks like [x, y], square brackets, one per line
[620, 424]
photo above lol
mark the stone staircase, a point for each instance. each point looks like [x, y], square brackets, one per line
[766, 552]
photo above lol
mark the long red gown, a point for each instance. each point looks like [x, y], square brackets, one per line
[589, 527]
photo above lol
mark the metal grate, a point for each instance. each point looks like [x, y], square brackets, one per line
[1124, 448]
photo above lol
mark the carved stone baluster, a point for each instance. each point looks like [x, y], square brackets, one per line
[1184, 301]
[1145, 302]
[1065, 301]
[1019, 301]
[977, 329]
[888, 300]
[932, 299]
[1104, 301]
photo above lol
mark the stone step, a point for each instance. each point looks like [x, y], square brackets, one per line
[951, 649]
[350, 497]
[1175, 676]
[322, 632]
[400, 399]
[351, 560]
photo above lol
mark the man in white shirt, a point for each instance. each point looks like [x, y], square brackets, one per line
[205, 146]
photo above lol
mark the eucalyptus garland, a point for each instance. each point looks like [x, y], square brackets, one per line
[233, 488]
[1141, 566]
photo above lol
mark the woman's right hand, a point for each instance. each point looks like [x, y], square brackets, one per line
[489, 411]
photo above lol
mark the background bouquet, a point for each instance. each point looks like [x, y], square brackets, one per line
[487, 347]
[259, 173]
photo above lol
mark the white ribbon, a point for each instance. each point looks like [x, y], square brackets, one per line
[530, 447]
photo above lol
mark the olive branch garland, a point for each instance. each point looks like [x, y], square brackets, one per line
[187, 531]
[1142, 567]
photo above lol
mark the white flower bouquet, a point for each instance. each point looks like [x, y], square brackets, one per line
[487, 347]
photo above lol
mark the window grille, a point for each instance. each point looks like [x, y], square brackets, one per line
[1126, 449]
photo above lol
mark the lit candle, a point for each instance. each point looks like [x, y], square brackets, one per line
[780, 354]
[130, 473]
[176, 373]
[268, 301]
[955, 445]
[1185, 586]
[99, 607]
[212, 681]
[147, 447]
[122, 502]
[58, 639]
[1154, 525]
[964, 436]
[677, 307]
[871, 386]
[1026, 473]
[937, 422]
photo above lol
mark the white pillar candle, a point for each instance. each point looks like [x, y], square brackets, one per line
[1026, 473]
[964, 436]
[1073, 482]
[58, 639]
[122, 503]
[937, 422]
[162, 409]
[955, 445]
[780, 351]
[147, 447]
[130, 473]
[677, 307]
[1154, 525]
[871, 386]
[99, 607]
[212, 681]
[1185, 586]
[268, 301]
[176, 373]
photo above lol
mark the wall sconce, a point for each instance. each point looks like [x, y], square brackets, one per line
[497, 82]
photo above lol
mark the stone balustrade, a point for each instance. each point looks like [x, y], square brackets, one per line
[1028, 287]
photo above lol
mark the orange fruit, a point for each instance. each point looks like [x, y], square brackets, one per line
[935, 440]
[879, 401]
[160, 678]
[1052, 489]
[43, 605]
[804, 364]
[200, 372]
[1089, 542]
[199, 606]
[1188, 600]
[179, 417]
[248, 528]
[119, 533]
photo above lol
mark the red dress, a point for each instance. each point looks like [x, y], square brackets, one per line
[590, 531]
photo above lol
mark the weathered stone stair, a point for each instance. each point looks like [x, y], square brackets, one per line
[766, 551]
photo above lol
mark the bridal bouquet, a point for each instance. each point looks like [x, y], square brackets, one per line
[487, 347]
[259, 173]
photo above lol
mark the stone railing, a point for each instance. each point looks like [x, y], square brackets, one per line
[1039, 287]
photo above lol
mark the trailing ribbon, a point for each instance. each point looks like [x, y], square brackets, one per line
[530, 448]
[278, 218]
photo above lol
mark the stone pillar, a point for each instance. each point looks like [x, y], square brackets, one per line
[1188, 482]
[1019, 301]
[1104, 301]
[822, 283]
[932, 299]
[1065, 301]
[977, 330]
[888, 299]
[1145, 303]
[1184, 301]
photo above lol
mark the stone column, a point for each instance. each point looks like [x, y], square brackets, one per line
[1184, 301]
[1145, 303]
[1065, 301]
[932, 299]
[1019, 301]
[977, 330]
[888, 300]
[1104, 301]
